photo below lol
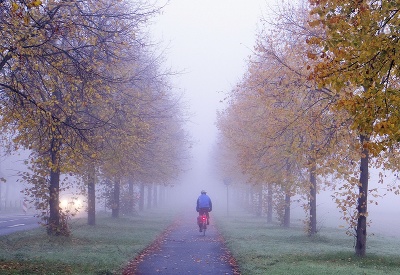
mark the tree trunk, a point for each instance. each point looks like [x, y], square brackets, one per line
[269, 204]
[131, 206]
[53, 227]
[286, 217]
[361, 230]
[313, 199]
[251, 202]
[91, 196]
[155, 196]
[141, 198]
[115, 206]
[149, 196]
[260, 201]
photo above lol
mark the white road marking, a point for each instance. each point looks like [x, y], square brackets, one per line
[15, 225]
[8, 221]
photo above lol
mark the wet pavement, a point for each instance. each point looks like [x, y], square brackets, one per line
[184, 250]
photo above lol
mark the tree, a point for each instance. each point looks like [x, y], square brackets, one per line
[284, 126]
[147, 144]
[357, 60]
[59, 60]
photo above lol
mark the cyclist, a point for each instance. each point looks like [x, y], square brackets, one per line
[204, 205]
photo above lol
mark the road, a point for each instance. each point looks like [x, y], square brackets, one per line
[10, 223]
[184, 250]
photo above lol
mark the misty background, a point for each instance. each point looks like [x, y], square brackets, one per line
[207, 43]
[210, 41]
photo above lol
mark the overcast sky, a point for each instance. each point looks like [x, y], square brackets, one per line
[209, 41]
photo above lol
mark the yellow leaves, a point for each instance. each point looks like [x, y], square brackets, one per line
[26, 20]
[362, 58]
[314, 40]
[14, 7]
[32, 4]
[311, 55]
[385, 127]
[36, 3]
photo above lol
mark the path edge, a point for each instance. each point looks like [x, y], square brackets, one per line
[131, 267]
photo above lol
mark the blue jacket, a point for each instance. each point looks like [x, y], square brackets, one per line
[204, 201]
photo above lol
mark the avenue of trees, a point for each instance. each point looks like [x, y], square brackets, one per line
[82, 89]
[317, 107]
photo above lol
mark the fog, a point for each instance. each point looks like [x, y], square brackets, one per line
[10, 190]
[209, 42]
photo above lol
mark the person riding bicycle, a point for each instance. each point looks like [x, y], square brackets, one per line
[204, 205]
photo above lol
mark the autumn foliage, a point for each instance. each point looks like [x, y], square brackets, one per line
[81, 90]
[319, 105]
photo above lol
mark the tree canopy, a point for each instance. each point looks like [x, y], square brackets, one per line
[79, 85]
[319, 104]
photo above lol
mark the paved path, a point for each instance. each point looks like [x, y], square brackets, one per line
[184, 250]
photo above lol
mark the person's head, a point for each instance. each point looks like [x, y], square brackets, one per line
[203, 192]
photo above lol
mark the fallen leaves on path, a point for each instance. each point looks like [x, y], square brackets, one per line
[131, 268]
[226, 257]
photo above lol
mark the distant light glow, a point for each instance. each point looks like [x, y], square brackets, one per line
[73, 204]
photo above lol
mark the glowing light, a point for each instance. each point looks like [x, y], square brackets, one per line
[63, 203]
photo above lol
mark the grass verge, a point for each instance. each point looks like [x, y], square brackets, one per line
[105, 248]
[260, 248]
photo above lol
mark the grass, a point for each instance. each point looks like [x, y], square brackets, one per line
[260, 248]
[102, 249]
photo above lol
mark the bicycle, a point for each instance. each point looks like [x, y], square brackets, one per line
[202, 220]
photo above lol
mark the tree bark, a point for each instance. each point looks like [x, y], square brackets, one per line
[115, 207]
[53, 227]
[313, 199]
[3, 62]
[260, 201]
[286, 217]
[269, 204]
[91, 196]
[141, 198]
[155, 196]
[361, 230]
[149, 196]
[131, 206]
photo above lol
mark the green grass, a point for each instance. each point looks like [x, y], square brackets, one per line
[260, 248]
[102, 249]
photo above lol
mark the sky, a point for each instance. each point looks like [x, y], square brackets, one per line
[209, 42]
